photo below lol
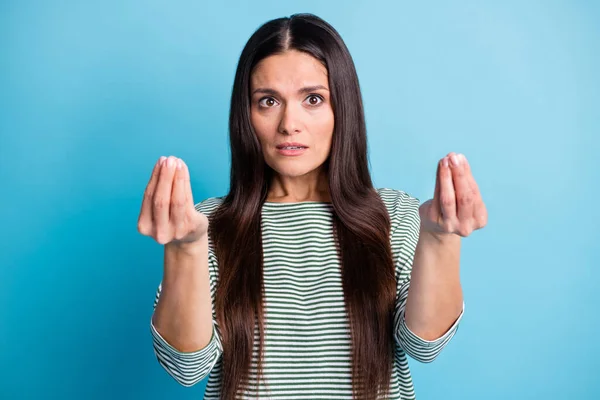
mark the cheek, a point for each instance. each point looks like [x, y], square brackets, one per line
[325, 127]
[261, 127]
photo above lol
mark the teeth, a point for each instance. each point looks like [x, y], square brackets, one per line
[293, 148]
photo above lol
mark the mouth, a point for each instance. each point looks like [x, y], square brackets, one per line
[291, 146]
[291, 149]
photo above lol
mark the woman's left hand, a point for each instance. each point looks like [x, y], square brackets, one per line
[457, 206]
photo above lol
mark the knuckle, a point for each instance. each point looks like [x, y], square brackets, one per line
[178, 202]
[159, 202]
[465, 200]
[447, 201]
[148, 195]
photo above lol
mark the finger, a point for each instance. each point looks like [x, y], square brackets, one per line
[447, 195]
[479, 209]
[472, 183]
[462, 188]
[189, 197]
[162, 197]
[145, 219]
[435, 204]
[178, 200]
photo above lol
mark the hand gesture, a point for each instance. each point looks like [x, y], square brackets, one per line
[168, 214]
[456, 207]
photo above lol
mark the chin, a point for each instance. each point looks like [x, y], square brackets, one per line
[292, 169]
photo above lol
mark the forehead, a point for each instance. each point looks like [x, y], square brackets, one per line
[292, 69]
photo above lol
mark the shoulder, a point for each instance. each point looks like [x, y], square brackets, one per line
[208, 205]
[398, 202]
[405, 223]
[403, 210]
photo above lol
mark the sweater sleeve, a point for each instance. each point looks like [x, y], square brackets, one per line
[405, 226]
[187, 368]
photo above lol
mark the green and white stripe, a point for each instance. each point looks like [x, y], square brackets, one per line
[307, 339]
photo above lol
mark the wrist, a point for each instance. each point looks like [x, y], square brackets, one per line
[188, 248]
[439, 238]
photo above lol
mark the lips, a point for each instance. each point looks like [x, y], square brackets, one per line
[291, 144]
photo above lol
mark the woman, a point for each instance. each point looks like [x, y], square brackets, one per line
[299, 285]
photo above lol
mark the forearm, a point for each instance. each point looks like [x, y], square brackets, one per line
[435, 295]
[183, 315]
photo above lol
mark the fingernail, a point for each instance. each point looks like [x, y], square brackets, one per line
[179, 164]
[454, 160]
[162, 160]
[445, 161]
[170, 162]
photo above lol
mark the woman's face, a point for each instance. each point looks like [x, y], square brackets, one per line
[291, 112]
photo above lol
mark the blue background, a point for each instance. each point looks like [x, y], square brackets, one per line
[92, 93]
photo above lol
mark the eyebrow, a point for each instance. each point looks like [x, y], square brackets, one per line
[274, 92]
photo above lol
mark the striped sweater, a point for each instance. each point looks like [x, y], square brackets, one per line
[307, 353]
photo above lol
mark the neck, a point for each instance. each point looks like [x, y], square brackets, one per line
[313, 186]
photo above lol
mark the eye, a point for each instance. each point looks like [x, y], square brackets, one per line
[267, 102]
[314, 99]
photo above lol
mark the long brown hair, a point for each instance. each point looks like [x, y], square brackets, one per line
[361, 222]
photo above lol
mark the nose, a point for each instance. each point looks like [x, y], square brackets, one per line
[290, 120]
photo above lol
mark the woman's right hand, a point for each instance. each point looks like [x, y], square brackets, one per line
[168, 214]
